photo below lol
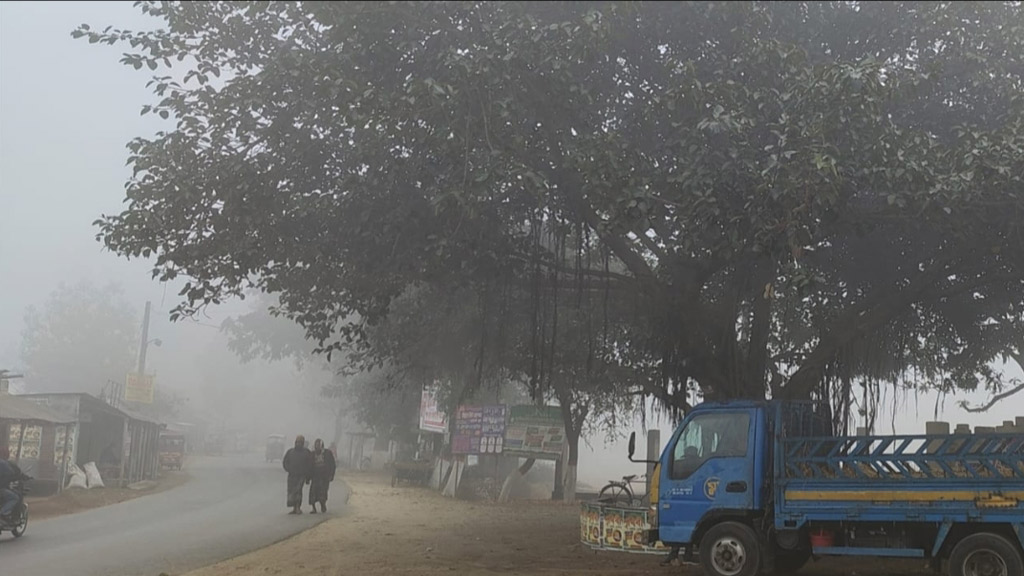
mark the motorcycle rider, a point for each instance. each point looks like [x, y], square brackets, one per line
[9, 472]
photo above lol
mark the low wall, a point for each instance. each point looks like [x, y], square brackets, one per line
[618, 528]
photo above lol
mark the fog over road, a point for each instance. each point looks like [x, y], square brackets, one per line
[231, 505]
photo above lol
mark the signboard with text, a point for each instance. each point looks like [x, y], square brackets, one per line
[479, 430]
[139, 388]
[535, 432]
[432, 418]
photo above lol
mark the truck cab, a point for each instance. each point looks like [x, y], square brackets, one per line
[751, 487]
[713, 466]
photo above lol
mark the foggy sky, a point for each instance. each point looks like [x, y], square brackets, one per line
[67, 109]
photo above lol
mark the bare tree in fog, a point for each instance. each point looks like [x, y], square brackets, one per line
[83, 337]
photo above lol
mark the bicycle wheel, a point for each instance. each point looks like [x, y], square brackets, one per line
[643, 501]
[616, 493]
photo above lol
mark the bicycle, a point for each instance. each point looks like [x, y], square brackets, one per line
[621, 491]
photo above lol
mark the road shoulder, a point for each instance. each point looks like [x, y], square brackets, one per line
[386, 531]
[72, 501]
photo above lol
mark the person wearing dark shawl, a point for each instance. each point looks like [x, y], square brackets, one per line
[323, 475]
[298, 462]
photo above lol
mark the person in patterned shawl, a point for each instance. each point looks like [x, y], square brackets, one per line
[323, 475]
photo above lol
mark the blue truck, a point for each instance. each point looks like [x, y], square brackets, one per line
[762, 487]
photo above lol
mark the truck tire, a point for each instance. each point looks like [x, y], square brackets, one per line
[985, 554]
[730, 549]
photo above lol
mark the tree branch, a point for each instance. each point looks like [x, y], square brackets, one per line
[995, 399]
[651, 245]
[585, 271]
[664, 396]
[873, 311]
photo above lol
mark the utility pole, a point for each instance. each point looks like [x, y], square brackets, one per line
[145, 341]
[141, 371]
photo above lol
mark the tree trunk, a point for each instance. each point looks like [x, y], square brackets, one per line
[559, 487]
[339, 425]
[571, 465]
[760, 332]
[517, 475]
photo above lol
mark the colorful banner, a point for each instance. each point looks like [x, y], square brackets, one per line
[64, 433]
[616, 528]
[535, 432]
[139, 388]
[432, 419]
[31, 441]
[479, 430]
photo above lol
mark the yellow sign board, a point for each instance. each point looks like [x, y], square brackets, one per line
[139, 388]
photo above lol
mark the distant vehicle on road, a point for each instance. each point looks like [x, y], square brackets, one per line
[172, 450]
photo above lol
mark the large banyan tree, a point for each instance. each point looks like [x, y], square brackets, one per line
[799, 198]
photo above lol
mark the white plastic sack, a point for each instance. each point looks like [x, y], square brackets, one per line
[76, 477]
[92, 474]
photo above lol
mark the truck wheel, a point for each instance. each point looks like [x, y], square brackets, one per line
[730, 549]
[985, 555]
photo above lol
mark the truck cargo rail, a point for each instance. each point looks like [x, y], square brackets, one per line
[994, 458]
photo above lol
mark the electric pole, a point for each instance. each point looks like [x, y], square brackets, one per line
[145, 342]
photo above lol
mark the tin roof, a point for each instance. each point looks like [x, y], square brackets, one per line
[14, 408]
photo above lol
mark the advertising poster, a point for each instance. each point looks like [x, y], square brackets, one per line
[66, 439]
[432, 419]
[616, 528]
[479, 430]
[31, 442]
[634, 529]
[590, 524]
[535, 432]
[139, 388]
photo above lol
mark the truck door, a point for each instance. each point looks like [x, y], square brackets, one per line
[709, 464]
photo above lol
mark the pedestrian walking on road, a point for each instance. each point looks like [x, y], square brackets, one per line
[323, 475]
[298, 462]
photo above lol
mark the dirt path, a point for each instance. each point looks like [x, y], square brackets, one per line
[78, 500]
[415, 531]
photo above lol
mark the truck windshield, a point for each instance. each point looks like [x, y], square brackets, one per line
[717, 435]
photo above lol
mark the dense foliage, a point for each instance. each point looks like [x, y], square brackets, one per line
[790, 198]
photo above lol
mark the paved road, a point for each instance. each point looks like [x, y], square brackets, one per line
[232, 505]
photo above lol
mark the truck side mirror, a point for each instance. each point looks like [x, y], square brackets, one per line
[632, 444]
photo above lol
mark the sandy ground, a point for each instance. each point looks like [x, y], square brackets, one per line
[404, 530]
[78, 500]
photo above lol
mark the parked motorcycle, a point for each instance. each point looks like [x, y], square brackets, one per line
[18, 521]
